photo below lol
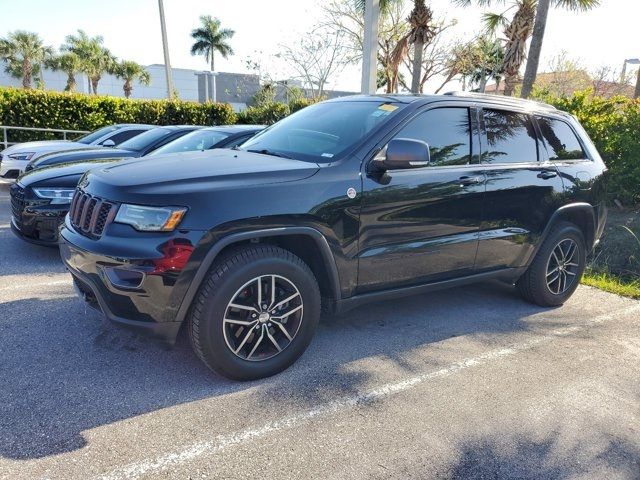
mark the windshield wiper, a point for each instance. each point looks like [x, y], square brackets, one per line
[273, 153]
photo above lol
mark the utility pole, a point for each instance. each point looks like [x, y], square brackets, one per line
[165, 47]
[370, 46]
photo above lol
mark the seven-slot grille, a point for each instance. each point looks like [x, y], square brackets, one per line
[89, 215]
[17, 202]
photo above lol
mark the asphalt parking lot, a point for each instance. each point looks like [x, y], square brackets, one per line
[468, 383]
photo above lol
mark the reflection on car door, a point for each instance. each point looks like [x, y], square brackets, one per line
[521, 191]
[422, 224]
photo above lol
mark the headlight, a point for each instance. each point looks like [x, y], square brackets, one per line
[24, 156]
[57, 196]
[150, 219]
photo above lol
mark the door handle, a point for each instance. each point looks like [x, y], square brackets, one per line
[546, 174]
[467, 180]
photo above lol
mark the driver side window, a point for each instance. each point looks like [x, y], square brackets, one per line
[446, 130]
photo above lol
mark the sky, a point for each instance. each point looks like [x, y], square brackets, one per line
[604, 36]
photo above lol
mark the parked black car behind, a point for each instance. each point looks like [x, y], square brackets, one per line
[344, 202]
[138, 146]
[40, 199]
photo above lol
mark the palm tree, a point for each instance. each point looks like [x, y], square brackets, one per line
[130, 71]
[538, 36]
[68, 63]
[210, 38]
[95, 59]
[421, 33]
[24, 52]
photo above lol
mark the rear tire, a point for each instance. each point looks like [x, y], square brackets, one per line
[255, 313]
[557, 268]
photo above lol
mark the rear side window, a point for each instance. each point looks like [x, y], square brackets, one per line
[510, 138]
[561, 141]
[120, 137]
[447, 131]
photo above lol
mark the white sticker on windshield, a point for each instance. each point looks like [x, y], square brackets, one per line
[328, 155]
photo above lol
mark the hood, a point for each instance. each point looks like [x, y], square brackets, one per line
[81, 155]
[149, 180]
[26, 146]
[56, 175]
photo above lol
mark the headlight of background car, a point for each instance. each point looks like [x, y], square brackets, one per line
[58, 196]
[22, 156]
[150, 219]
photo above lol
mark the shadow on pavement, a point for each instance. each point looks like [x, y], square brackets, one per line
[65, 370]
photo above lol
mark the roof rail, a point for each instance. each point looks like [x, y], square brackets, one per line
[501, 99]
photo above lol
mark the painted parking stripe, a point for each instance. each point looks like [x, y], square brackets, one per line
[36, 284]
[222, 442]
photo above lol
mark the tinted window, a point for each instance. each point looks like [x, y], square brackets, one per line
[198, 140]
[142, 141]
[562, 143]
[120, 137]
[93, 136]
[447, 132]
[325, 131]
[510, 138]
[238, 141]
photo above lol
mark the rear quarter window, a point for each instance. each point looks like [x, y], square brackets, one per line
[560, 140]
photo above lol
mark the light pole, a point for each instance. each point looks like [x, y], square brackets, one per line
[165, 47]
[370, 46]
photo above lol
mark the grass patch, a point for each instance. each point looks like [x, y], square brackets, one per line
[612, 284]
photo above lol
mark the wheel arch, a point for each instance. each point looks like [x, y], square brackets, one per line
[581, 214]
[295, 239]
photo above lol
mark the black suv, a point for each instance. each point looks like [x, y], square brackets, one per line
[347, 201]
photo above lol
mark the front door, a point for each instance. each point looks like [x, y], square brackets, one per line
[421, 225]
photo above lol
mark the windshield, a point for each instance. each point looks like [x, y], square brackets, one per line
[142, 141]
[89, 138]
[198, 140]
[322, 132]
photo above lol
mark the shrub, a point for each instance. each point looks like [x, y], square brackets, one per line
[264, 114]
[299, 104]
[75, 111]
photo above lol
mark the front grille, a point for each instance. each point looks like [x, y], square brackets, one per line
[17, 202]
[90, 215]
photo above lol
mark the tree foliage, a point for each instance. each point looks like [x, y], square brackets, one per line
[210, 38]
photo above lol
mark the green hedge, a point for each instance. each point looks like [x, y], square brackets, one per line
[265, 114]
[614, 126]
[75, 111]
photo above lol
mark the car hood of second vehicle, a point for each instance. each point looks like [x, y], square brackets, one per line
[187, 173]
[81, 155]
[51, 176]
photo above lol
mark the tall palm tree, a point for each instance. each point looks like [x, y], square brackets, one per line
[95, 59]
[24, 52]
[210, 38]
[130, 71]
[68, 63]
[421, 33]
[538, 36]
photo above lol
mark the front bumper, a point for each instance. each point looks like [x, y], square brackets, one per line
[127, 290]
[34, 219]
[12, 168]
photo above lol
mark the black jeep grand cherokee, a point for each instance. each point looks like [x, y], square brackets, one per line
[347, 201]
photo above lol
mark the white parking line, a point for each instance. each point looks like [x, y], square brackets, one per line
[221, 442]
[37, 284]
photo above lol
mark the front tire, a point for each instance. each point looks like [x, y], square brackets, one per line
[557, 268]
[255, 313]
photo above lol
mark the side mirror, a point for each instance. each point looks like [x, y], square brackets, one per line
[403, 153]
[109, 143]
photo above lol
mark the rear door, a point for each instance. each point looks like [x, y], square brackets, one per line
[421, 225]
[522, 189]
